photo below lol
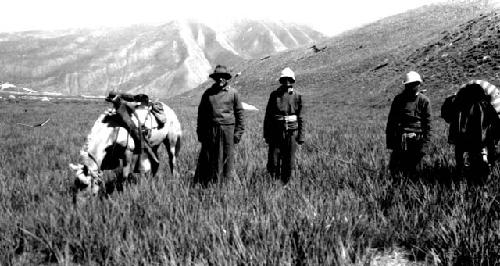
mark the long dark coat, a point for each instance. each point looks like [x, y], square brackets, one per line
[220, 125]
[282, 136]
[410, 114]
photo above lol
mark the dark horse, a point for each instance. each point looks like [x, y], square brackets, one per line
[474, 127]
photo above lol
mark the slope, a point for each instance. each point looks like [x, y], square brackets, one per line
[364, 65]
[471, 51]
[161, 60]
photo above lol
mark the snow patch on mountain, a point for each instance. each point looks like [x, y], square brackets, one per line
[278, 45]
[200, 38]
[290, 34]
[196, 64]
[222, 39]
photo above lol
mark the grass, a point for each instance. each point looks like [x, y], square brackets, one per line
[341, 207]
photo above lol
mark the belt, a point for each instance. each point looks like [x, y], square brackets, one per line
[409, 139]
[286, 118]
[409, 135]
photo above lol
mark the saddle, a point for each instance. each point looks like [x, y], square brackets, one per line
[111, 115]
[135, 101]
[128, 106]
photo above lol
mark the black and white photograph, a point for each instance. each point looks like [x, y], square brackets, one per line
[250, 132]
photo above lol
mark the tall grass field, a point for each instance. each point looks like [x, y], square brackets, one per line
[341, 208]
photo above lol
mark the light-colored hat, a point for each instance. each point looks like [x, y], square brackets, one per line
[287, 73]
[411, 77]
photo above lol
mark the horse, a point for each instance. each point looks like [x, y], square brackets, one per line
[474, 127]
[109, 146]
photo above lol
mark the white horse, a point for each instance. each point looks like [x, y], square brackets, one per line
[109, 146]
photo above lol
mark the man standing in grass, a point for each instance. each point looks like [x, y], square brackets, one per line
[220, 126]
[283, 127]
[408, 129]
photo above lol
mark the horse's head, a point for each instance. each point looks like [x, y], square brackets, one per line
[87, 175]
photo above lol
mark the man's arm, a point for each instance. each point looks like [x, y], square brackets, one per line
[300, 120]
[267, 120]
[390, 130]
[239, 118]
[202, 119]
[426, 121]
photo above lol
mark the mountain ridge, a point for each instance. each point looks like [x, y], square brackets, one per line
[361, 66]
[162, 60]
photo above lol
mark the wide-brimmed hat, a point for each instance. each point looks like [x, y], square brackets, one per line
[221, 71]
[411, 77]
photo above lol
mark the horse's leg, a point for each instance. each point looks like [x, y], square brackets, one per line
[155, 166]
[177, 149]
[127, 165]
[172, 144]
[119, 177]
[168, 146]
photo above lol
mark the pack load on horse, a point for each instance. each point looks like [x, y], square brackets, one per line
[115, 140]
[473, 114]
[125, 106]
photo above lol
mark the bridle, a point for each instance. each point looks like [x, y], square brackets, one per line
[94, 172]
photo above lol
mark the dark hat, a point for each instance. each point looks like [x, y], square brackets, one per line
[221, 71]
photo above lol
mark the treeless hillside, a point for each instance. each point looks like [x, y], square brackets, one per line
[367, 64]
[469, 51]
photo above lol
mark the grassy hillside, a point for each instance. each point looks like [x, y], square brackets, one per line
[470, 51]
[358, 64]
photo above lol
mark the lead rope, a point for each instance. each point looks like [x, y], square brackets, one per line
[95, 175]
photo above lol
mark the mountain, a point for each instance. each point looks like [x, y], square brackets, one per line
[162, 60]
[365, 66]
[255, 39]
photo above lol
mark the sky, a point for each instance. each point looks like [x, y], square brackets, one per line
[327, 16]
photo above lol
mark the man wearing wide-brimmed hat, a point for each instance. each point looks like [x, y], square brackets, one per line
[220, 126]
[408, 129]
[283, 127]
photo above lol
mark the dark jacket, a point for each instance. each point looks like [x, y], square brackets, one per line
[280, 104]
[409, 113]
[220, 107]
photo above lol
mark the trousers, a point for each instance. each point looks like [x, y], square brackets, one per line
[281, 155]
[216, 159]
